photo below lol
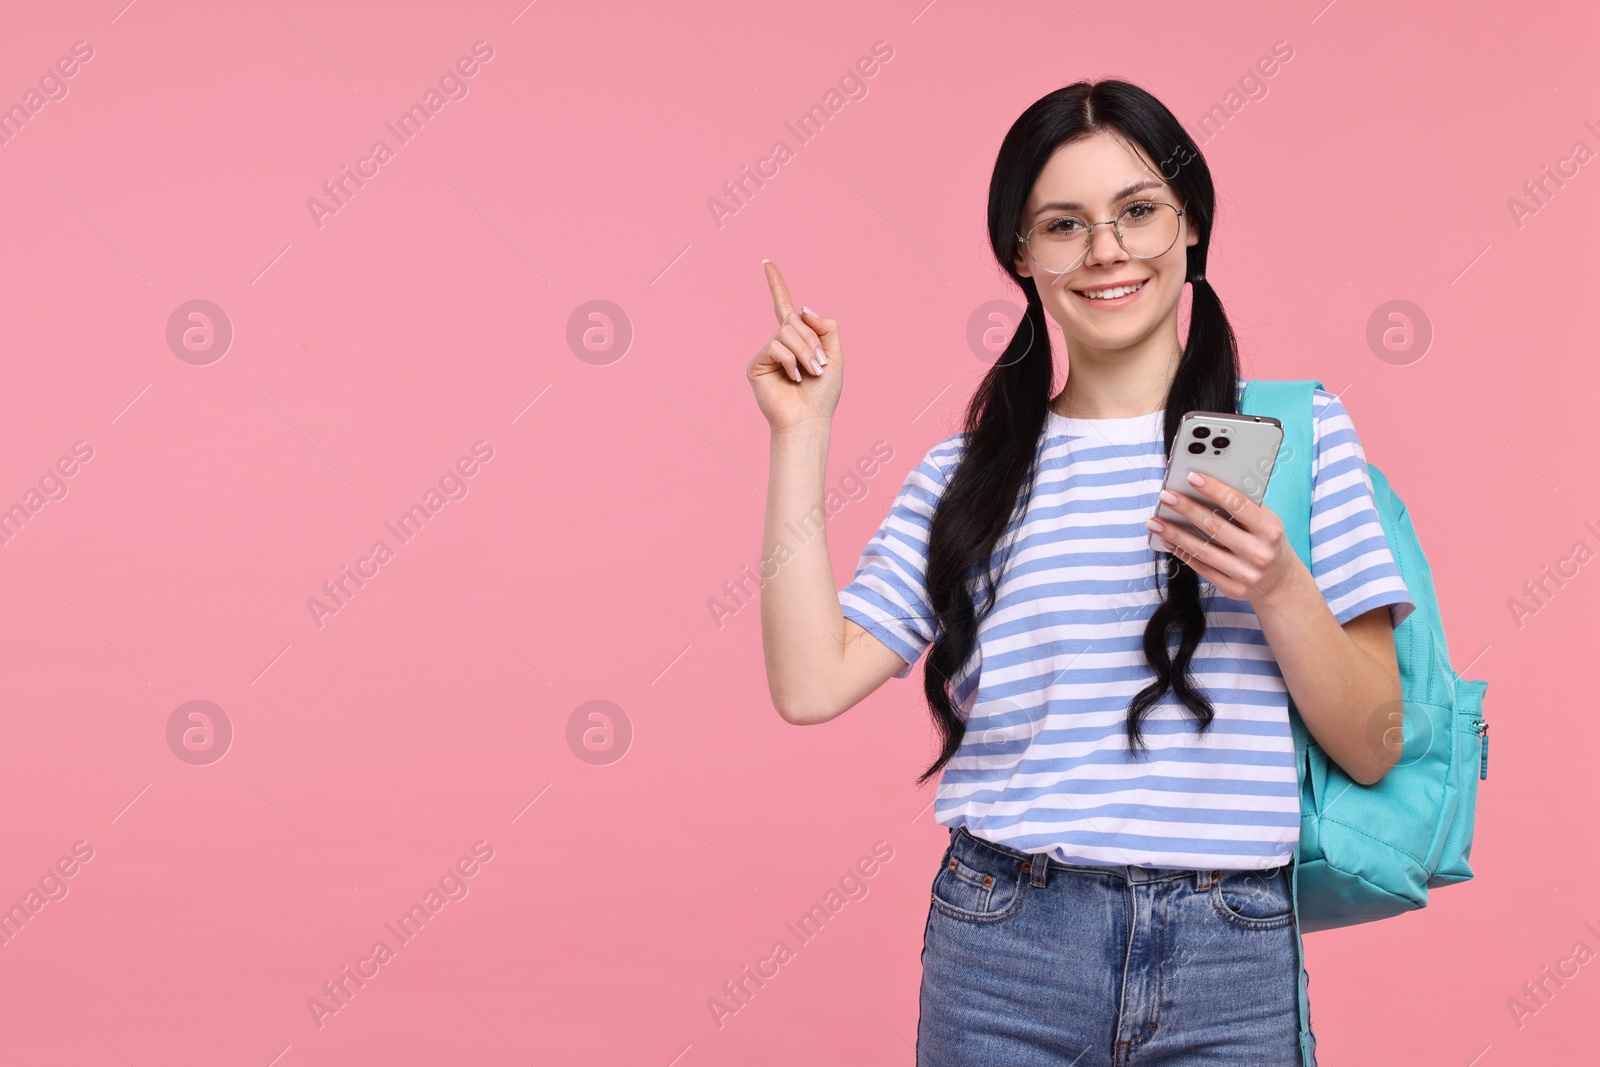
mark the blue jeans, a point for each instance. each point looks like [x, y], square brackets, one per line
[1029, 962]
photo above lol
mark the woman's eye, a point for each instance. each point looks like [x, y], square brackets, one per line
[1064, 226]
[1139, 210]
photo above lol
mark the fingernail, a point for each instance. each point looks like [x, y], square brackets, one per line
[795, 374]
[807, 310]
[1169, 496]
[766, 261]
[1155, 524]
[1195, 479]
[822, 359]
[815, 369]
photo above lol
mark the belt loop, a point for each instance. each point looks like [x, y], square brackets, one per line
[1035, 866]
[1206, 879]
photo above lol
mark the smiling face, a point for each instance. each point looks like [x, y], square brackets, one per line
[1095, 179]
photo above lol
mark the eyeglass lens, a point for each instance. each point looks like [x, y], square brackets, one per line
[1147, 229]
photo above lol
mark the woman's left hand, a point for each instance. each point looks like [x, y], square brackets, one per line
[1250, 562]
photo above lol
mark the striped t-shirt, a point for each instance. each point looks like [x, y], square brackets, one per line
[1044, 765]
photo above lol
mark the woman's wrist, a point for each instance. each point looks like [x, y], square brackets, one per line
[806, 429]
[1293, 589]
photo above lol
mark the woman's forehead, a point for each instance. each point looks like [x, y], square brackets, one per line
[1100, 169]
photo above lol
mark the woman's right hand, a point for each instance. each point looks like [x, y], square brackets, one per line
[792, 383]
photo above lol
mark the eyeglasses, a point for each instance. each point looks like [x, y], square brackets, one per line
[1145, 229]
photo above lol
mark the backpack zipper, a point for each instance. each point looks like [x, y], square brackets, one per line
[1483, 761]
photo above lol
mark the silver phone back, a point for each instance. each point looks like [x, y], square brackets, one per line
[1245, 462]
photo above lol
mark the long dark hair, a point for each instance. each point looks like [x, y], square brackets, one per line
[1006, 416]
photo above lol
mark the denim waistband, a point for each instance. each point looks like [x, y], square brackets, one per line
[960, 838]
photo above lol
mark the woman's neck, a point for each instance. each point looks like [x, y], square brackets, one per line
[1119, 389]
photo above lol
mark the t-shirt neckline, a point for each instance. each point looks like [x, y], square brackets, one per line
[1134, 429]
[1127, 430]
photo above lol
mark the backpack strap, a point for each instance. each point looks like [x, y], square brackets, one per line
[1289, 497]
[1289, 488]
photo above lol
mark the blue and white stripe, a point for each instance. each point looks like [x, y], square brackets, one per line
[1044, 765]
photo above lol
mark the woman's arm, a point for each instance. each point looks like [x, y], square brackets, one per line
[1345, 680]
[819, 664]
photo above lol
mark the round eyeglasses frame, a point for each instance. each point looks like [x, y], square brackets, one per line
[1088, 236]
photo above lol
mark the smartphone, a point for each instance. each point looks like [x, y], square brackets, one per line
[1237, 450]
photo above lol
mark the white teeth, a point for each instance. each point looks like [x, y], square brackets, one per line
[1112, 294]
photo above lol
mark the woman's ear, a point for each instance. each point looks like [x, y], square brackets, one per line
[1021, 261]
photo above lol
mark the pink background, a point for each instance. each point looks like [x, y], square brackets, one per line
[433, 309]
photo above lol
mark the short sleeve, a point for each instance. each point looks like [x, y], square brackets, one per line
[1350, 556]
[888, 595]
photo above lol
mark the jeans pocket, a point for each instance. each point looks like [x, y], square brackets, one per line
[978, 887]
[1254, 899]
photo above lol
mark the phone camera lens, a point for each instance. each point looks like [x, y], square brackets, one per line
[1196, 447]
[1221, 442]
[1201, 432]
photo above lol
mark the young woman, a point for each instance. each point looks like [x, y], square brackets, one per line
[1118, 771]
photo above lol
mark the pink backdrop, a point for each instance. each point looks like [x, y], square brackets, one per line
[191, 475]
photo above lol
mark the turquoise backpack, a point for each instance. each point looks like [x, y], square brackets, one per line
[1369, 852]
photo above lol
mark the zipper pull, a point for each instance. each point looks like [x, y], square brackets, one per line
[1483, 762]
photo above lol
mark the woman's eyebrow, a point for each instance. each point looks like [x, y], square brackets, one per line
[1138, 186]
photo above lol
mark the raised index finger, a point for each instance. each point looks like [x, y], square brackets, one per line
[781, 304]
